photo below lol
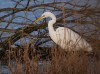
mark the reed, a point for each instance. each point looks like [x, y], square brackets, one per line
[60, 62]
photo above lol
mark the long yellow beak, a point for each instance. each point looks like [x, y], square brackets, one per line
[38, 19]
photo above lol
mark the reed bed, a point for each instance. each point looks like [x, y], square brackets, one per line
[59, 62]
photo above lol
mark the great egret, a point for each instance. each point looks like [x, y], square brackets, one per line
[65, 37]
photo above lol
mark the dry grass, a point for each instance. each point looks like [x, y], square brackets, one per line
[77, 62]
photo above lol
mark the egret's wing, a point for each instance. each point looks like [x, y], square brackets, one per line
[57, 26]
[61, 25]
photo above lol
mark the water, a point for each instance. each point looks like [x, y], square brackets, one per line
[4, 69]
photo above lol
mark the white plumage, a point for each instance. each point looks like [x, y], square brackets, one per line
[65, 37]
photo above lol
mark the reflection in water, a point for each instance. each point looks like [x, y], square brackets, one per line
[4, 69]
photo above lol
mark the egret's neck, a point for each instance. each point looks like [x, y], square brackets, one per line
[52, 32]
[50, 26]
[52, 21]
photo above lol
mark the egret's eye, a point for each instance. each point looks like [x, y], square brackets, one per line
[43, 15]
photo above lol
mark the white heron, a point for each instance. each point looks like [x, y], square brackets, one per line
[65, 37]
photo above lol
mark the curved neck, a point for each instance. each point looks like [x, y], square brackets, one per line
[52, 32]
[52, 21]
[50, 26]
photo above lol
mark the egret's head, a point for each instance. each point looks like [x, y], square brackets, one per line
[44, 15]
